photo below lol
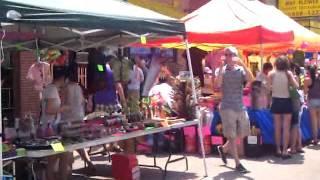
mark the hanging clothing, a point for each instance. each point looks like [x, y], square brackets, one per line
[40, 73]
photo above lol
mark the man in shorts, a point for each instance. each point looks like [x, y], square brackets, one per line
[232, 76]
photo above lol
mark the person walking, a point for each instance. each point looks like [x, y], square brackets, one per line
[74, 99]
[51, 109]
[297, 102]
[232, 76]
[281, 107]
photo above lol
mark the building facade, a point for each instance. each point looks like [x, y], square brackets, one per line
[177, 8]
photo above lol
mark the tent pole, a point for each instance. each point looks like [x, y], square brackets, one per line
[1, 133]
[194, 95]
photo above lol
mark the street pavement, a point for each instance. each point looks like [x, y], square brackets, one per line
[300, 167]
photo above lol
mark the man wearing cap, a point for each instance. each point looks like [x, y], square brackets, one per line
[232, 76]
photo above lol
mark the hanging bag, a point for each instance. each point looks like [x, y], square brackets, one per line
[293, 91]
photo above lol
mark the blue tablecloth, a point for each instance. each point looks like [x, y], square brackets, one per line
[264, 120]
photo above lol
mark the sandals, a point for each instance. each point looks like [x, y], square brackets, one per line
[315, 142]
[278, 155]
[293, 152]
[300, 151]
[286, 156]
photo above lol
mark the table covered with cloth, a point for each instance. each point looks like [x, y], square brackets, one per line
[263, 119]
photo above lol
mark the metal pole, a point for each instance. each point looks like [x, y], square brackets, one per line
[194, 94]
[1, 133]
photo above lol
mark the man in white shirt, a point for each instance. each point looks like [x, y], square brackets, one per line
[136, 78]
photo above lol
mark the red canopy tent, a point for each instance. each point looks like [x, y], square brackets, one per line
[225, 22]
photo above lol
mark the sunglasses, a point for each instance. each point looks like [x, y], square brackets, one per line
[230, 54]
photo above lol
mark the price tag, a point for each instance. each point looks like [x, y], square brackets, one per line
[100, 68]
[149, 128]
[57, 147]
[252, 140]
[143, 39]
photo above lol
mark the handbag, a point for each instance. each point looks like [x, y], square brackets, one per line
[294, 93]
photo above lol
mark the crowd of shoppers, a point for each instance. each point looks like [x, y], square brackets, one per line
[285, 88]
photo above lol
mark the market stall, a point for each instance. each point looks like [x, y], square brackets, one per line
[102, 16]
[251, 26]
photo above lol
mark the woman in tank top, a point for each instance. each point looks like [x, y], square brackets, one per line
[280, 79]
[312, 90]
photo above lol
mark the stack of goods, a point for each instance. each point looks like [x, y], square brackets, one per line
[109, 109]
[98, 125]
[32, 138]
[135, 117]
[253, 143]
[72, 129]
[135, 121]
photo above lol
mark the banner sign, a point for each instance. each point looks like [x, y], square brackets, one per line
[300, 8]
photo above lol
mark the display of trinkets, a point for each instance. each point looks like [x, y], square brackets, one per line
[135, 117]
[71, 129]
[100, 125]
[115, 108]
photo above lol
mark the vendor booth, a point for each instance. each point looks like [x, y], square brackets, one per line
[78, 25]
[253, 27]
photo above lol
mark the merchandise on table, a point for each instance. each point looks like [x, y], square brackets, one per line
[183, 105]
[101, 126]
[37, 144]
[71, 129]
[8, 150]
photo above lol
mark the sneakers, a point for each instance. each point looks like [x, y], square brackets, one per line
[222, 154]
[241, 169]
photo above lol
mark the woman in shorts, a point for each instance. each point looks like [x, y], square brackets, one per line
[280, 79]
[312, 89]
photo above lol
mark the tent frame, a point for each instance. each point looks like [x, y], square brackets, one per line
[195, 101]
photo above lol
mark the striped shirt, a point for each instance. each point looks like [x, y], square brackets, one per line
[232, 88]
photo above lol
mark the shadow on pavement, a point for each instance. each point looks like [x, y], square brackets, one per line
[101, 170]
[232, 174]
[317, 147]
[104, 171]
[296, 159]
